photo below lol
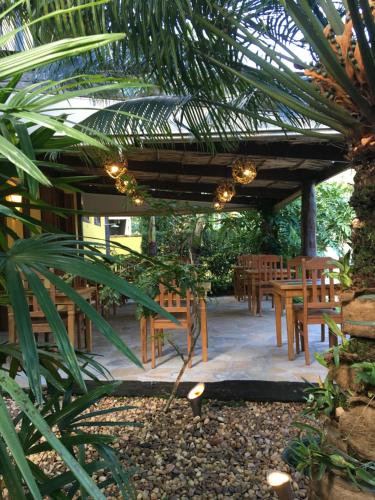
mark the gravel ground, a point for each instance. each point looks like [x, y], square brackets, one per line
[226, 454]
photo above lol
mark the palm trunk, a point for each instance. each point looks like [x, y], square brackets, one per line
[363, 236]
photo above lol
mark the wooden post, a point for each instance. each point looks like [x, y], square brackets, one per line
[308, 219]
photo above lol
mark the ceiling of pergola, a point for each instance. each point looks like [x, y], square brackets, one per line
[179, 171]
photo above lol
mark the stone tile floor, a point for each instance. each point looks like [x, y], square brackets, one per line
[241, 347]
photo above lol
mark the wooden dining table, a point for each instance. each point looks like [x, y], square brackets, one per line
[65, 303]
[284, 292]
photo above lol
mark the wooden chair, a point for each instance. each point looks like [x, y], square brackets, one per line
[181, 308]
[40, 325]
[270, 268]
[320, 296]
[294, 267]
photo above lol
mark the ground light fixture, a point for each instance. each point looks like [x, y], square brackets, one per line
[116, 168]
[225, 192]
[281, 484]
[195, 397]
[243, 171]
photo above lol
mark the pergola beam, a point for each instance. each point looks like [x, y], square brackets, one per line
[181, 188]
[278, 147]
[212, 170]
[249, 201]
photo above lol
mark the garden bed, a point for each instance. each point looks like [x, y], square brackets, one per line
[226, 454]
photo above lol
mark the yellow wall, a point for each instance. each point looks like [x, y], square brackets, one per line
[132, 242]
[93, 232]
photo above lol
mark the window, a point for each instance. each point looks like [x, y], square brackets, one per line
[97, 221]
[120, 226]
[85, 218]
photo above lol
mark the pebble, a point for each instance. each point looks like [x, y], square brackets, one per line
[227, 453]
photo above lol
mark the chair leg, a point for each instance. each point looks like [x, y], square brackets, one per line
[306, 343]
[259, 305]
[297, 336]
[189, 345]
[322, 333]
[152, 346]
[143, 325]
[273, 301]
[332, 338]
[88, 334]
[159, 339]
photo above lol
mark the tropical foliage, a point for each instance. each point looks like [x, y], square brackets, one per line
[222, 241]
[31, 137]
[300, 65]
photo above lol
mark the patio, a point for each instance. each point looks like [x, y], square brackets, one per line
[241, 347]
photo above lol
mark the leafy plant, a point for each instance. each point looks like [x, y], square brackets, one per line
[170, 272]
[365, 372]
[324, 398]
[344, 274]
[76, 427]
[333, 328]
[310, 454]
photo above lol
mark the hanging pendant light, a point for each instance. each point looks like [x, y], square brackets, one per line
[225, 192]
[138, 200]
[116, 168]
[218, 205]
[243, 171]
[126, 184]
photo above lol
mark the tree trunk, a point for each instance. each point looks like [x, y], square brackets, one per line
[363, 235]
[308, 220]
[152, 246]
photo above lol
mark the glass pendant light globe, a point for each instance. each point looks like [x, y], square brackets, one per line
[116, 168]
[225, 192]
[243, 171]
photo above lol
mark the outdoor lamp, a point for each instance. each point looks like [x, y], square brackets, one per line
[138, 200]
[243, 171]
[126, 184]
[225, 192]
[218, 205]
[280, 483]
[115, 168]
[195, 397]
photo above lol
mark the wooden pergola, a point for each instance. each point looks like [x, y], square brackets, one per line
[287, 167]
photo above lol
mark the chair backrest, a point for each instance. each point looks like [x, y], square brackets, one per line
[271, 267]
[247, 261]
[294, 266]
[173, 301]
[319, 290]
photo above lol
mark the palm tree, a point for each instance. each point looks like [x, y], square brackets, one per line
[29, 134]
[305, 62]
[303, 65]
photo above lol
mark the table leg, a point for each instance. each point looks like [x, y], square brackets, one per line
[290, 326]
[71, 323]
[203, 320]
[278, 312]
